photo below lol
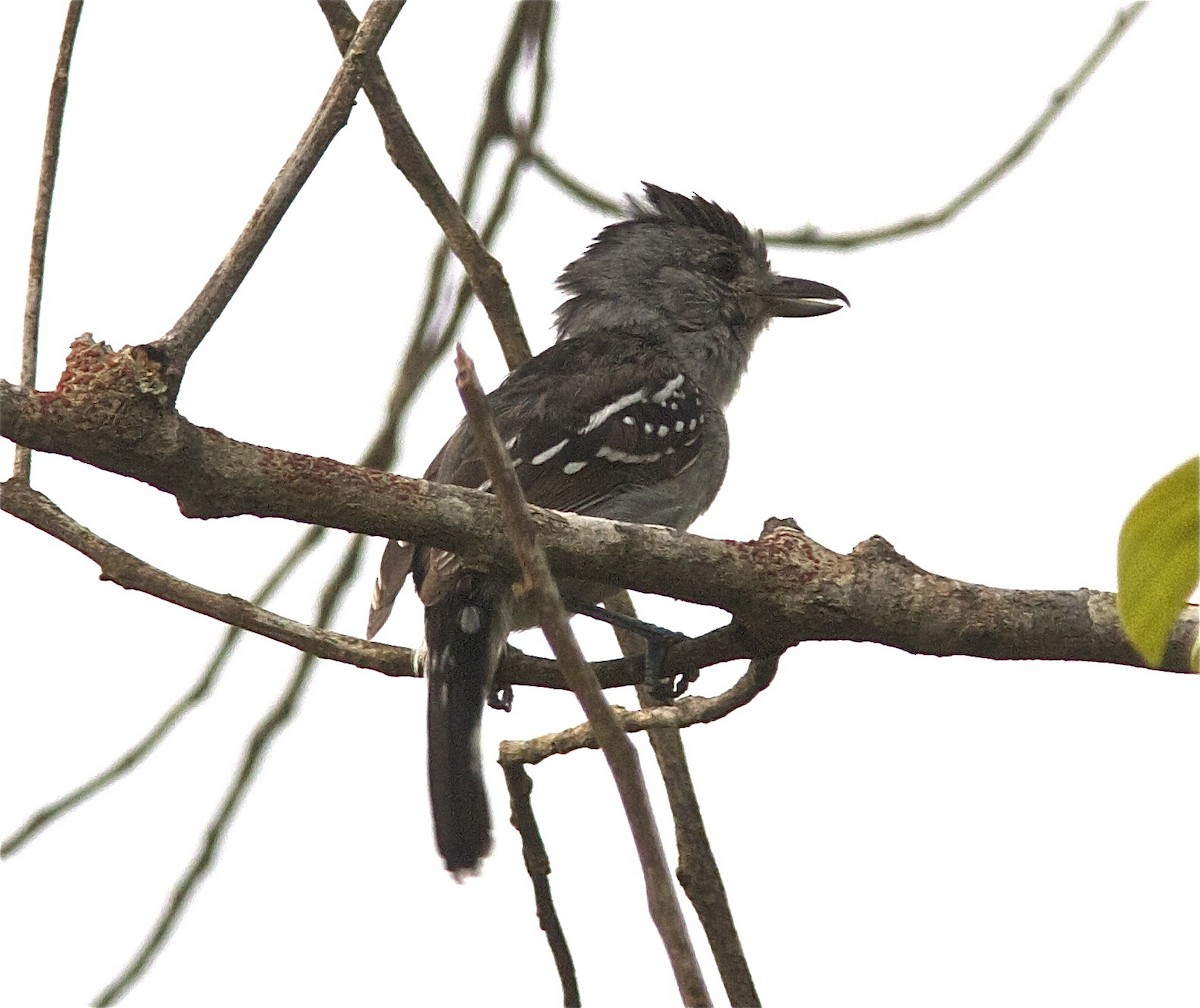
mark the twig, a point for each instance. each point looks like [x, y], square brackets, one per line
[133, 573]
[537, 864]
[423, 351]
[482, 269]
[697, 872]
[177, 347]
[684, 713]
[811, 236]
[619, 751]
[265, 732]
[200, 689]
[41, 218]
[130, 572]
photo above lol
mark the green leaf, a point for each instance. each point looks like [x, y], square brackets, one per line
[1158, 560]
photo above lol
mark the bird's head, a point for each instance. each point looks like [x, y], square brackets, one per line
[691, 273]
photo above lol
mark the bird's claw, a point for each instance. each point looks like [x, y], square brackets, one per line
[664, 687]
[501, 698]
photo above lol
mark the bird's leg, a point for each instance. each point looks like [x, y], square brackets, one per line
[658, 640]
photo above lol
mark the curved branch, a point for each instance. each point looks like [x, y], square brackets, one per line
[683, 713]
[811, 236]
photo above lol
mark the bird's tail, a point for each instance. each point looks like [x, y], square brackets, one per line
[465, 632]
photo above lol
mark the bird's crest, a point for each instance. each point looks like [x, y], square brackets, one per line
[697, 212]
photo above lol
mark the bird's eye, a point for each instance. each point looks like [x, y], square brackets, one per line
[723, 265]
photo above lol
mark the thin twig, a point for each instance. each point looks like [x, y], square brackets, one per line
[537, 864]
[811, 236]
[697, 872]
[130, 572]
[199, 690]
[265, 732]
[423, 351]
[41, 218]
[256, 747]
[482, 269]
[186, 335]
[684, 713]
[618, 750]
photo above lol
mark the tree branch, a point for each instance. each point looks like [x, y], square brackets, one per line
[41, 216]
[811, 236]
[782, 588]
[483, 270]
[537, 864]
[685, 712]
[542, 592]
[697, 871]
[175, 349]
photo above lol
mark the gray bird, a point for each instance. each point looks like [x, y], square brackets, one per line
[621, 418]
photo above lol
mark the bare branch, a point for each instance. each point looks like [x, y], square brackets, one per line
[697, 871]
[128, 571]
[199, 690]
[176, 348]
[255, 750]
[483, 270]
[811, 236]
[782, 588]
[424, 348]
[685, 712]
[537, 864]
[41, 217]
[618, 750]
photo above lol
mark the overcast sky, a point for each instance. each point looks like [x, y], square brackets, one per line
[892, 829]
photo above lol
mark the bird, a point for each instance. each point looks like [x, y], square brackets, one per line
[622, 418]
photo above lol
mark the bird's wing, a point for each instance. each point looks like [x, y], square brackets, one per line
[581, 432]
[583, 426]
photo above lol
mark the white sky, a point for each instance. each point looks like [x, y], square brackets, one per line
[892, 829]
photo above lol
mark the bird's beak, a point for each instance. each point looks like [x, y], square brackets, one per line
[789, 297]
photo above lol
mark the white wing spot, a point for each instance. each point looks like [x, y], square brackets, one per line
[508, 445]
[690, 442]
[597, 418]
[674, 405]
[692, 424]
[629, 420]
[615, 455]
[663, 430]
[648, 428]
[470, 619]
[571, 468]
[668, 390]
[549, 453]
[678, 426]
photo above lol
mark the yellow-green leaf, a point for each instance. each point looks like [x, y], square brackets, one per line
[1158, 559]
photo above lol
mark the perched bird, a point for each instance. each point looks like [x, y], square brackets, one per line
[620, 418]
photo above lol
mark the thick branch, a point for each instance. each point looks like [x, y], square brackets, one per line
[782, 588]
